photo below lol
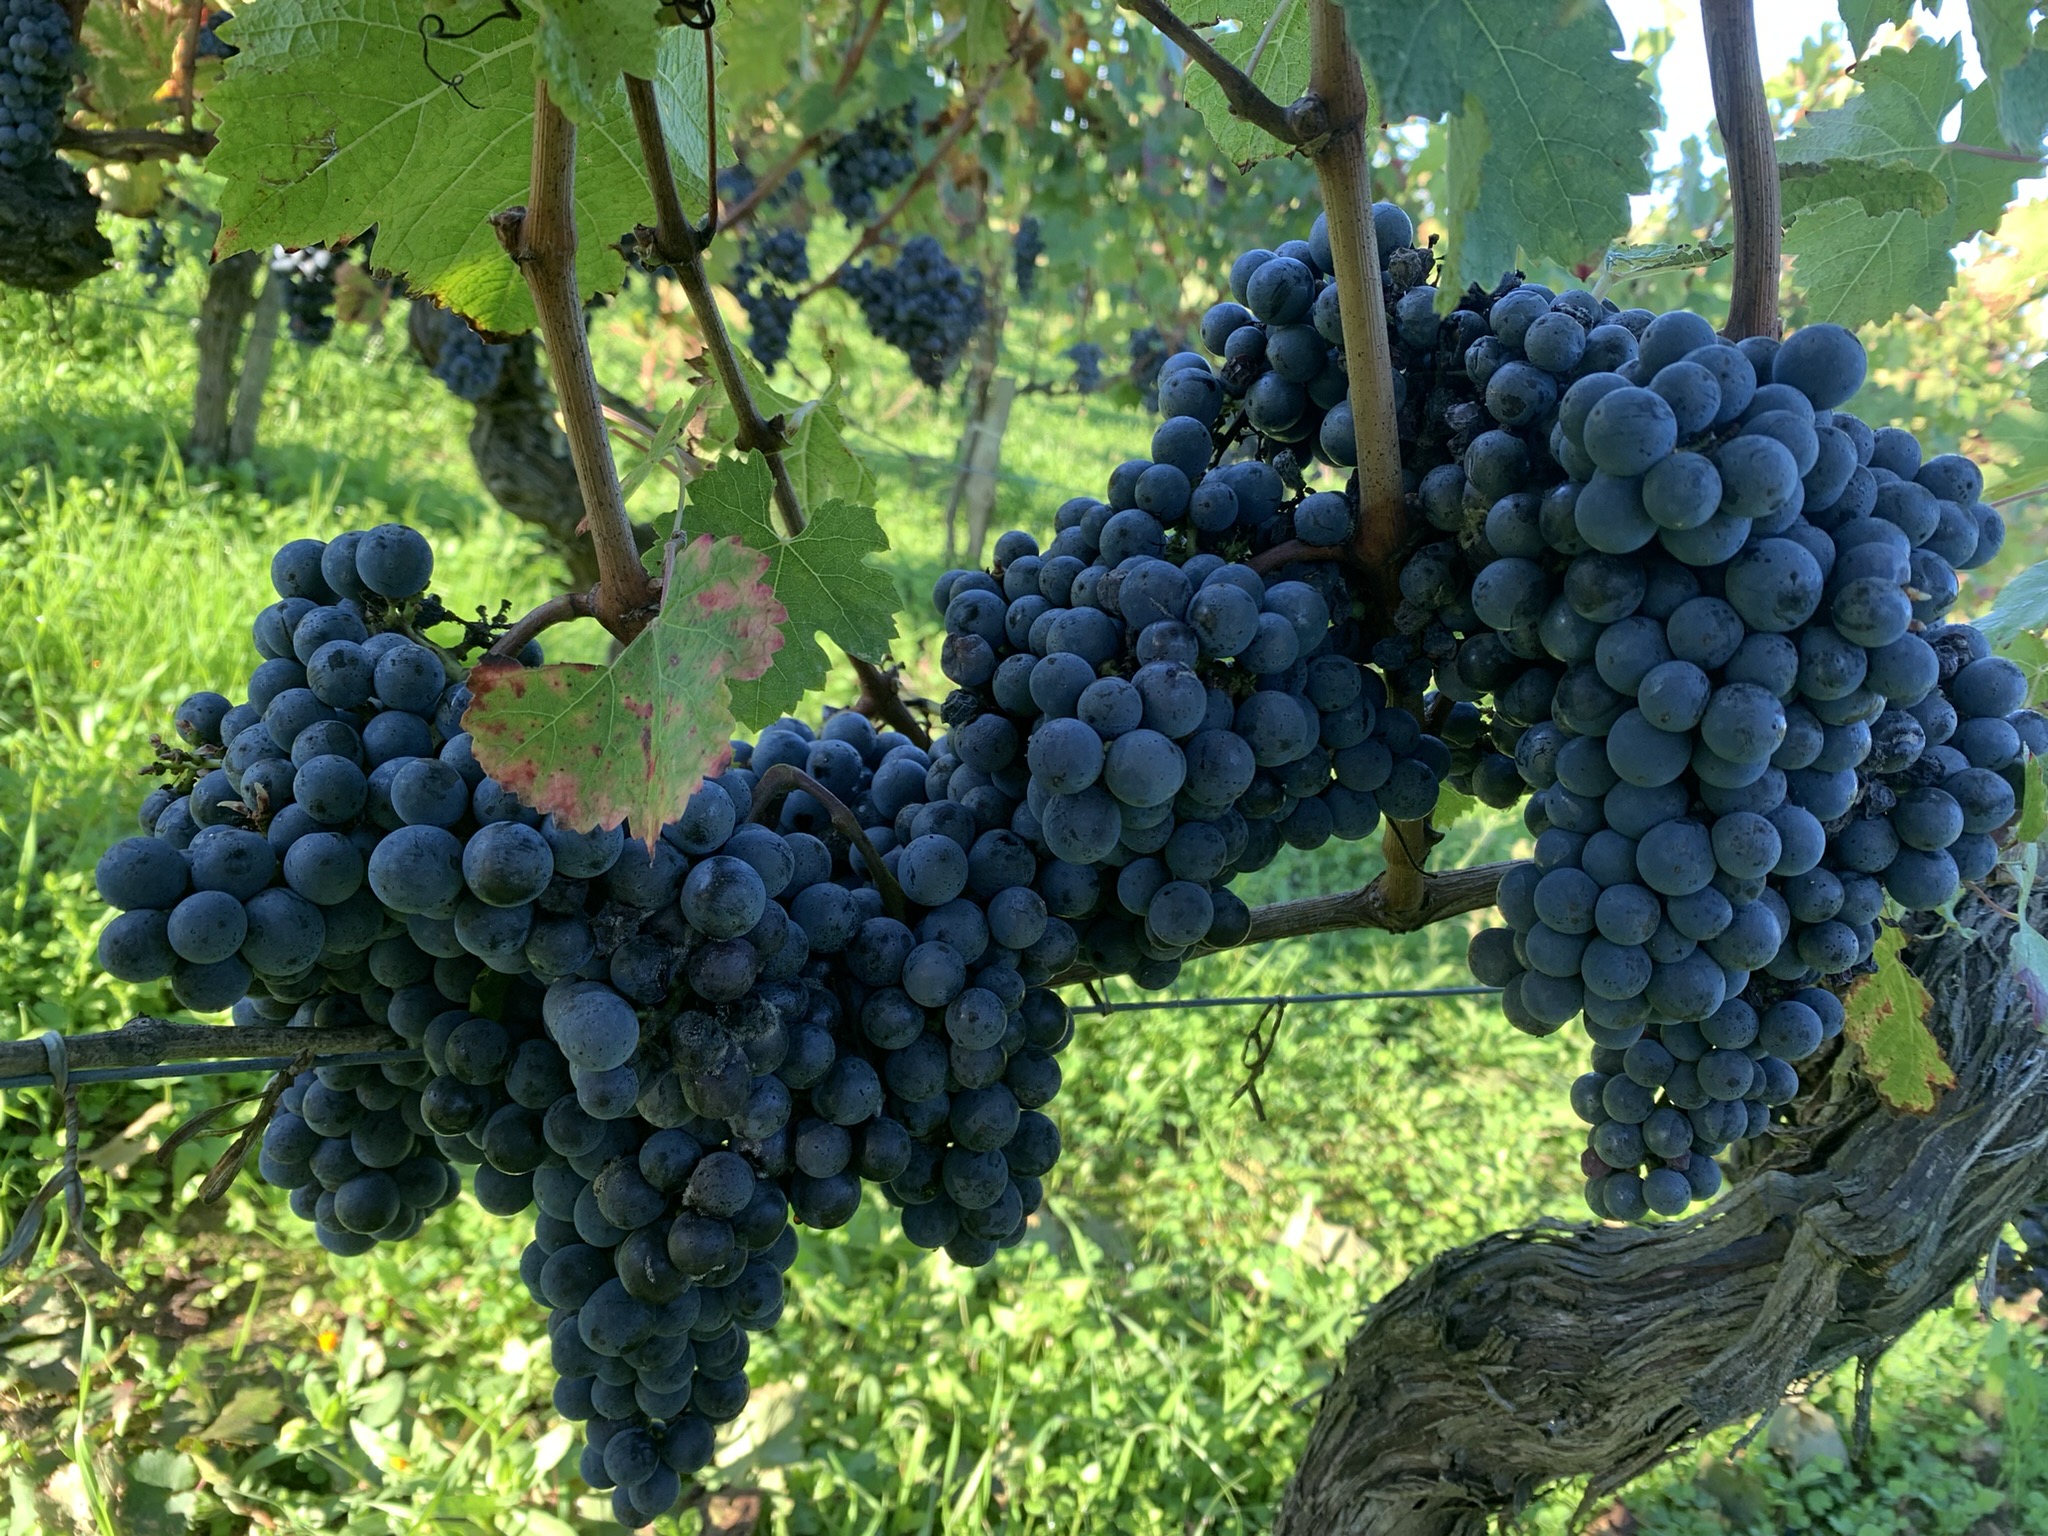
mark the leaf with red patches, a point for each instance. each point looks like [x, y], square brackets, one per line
[632, 741]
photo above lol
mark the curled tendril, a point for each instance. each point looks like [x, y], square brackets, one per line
[699, 15]
[433, 28]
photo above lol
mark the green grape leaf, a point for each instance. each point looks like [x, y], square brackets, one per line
[1269, 42]
[768, 62]
[1984, 185]
[1665, 256]
[820, 464]
[581, 47]
[823, 577]
[1854, 268]
[2033, 822]
[1899, 187]
[2022, 605]
[2003, 31]
[1567, 115]
[631, 741]
[1862, 18]
[324, 110]
[1857, 265]
[2023, 96]
[2029, 652]
[2029, 949]
[1452, 806]
[1482, 241]
[985, 33]
[1886, 1018]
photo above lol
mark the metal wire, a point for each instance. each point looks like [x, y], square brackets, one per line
[182, 1069]
[185, 1069]
[1271, 998]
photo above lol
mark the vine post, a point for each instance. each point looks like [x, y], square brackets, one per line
[1736, 75]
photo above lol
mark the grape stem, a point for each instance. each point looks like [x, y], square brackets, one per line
[1343, 164]
[1744, 118]
[559, 609]
[1448, 893]
[1245, 98]
[1294, 549]
[541, 240]
[784, 777]
[882, 699]
[678, 245]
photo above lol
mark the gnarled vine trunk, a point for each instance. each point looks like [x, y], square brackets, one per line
[1587, 1351]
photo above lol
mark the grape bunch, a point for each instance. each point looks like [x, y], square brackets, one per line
[36, 52]
[1026, 246]
[921, 304]
[470, 366]
[155, 257]
[770, 266]
[309, 291]
[1145, 353]
[1739, 739]
[871, 156]
[666, 1047]
[1086, 357]
[349, 1142]
[211, 44]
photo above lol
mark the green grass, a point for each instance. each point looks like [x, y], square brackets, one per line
[1148, 1362]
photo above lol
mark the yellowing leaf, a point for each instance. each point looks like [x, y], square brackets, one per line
[632, 741]
[823, 577]
[1887, 1020]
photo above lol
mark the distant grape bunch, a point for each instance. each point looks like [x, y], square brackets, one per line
[36, 56]
[309, 292]
[871, 156]
[922, 304]
[1026, 246]
[773, 263]
[470, 366]
[155, 257]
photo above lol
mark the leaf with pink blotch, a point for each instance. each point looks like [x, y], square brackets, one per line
[632, 741]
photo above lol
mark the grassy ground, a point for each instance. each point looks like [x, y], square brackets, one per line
[1148, 1362]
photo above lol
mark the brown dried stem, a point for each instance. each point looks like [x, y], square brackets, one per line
[784, 777]
[881, 699]
[677, 245]
[559, 609]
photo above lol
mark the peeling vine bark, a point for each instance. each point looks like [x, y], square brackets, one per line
[1588, 1351]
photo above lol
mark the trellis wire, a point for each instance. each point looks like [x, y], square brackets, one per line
[1272, 998]
[207, 1068]
[163, 1070]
